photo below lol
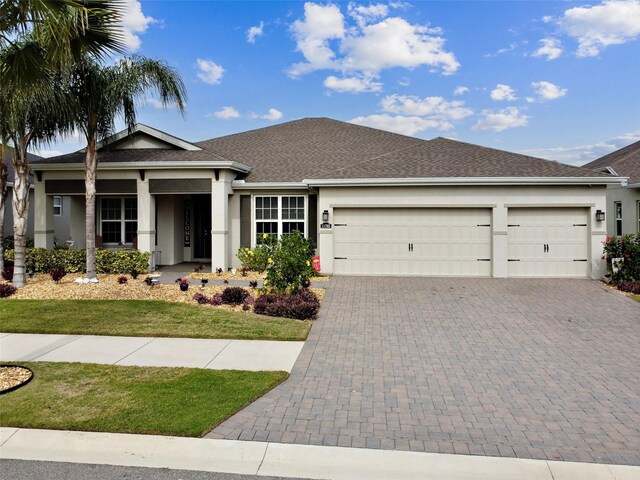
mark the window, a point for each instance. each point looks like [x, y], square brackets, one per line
[617, 209]
[279, 215]
[57, 206]
[118, 220]
[638, 217]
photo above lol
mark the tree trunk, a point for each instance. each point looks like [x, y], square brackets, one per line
[90, 170]
[20, 211]
[4, 193]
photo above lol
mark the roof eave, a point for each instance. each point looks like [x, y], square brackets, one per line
[242, 185]
[363, 182]
[152, 165]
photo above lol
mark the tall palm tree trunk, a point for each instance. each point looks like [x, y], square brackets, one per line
[90, 170]
[4, 193]
[20, 210]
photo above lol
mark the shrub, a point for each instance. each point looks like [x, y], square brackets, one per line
[301, 305]
[630, 286]
[202, 299]
[258, 258]
[234, 295]
[247, 303]
[290, 265]
[122, 279]
[134, 273]
[6, 290]
[253, 283]
[626, 247]
[7, 272]
[57, 274]
[74, 261]
[7, 242]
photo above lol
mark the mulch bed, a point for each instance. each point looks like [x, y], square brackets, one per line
[13, 377]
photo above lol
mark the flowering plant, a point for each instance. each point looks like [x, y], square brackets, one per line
[626, 247]
[182, 281]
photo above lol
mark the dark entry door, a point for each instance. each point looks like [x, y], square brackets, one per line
[202, 226]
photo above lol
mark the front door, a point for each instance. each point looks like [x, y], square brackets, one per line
[202, 227]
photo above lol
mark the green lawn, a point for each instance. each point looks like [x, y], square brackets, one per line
[636, 297]
[106, 398]
[143, 318]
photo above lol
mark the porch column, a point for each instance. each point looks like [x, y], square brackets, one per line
[220, 191]
[43, 216]
[146, 218]
[500, 247]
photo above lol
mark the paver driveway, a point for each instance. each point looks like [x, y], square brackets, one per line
[546, 369]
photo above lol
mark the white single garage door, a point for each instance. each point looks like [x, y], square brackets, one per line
[412, 241]
[548, 242]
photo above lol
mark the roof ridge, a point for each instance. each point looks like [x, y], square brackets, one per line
[632, 150]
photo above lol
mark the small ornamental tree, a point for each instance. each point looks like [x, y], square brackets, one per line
[626, 252]
[289, 268]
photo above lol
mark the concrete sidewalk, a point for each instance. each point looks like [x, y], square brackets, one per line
[274, 459]
[252, 355]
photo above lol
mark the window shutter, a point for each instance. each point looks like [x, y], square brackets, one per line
[313, 220]
[245, 221]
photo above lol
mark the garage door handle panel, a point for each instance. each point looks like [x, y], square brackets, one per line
[483, 259]
[339, 224]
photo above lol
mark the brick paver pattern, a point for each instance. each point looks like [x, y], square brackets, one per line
[545, 369]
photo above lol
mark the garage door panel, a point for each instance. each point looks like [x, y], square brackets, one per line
[548, 242]
[446, 241]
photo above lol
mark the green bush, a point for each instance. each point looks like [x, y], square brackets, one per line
[257, 259]
[289, 268]
[626, 247]
[74, 261]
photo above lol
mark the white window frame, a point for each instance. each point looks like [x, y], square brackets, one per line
[279, 220]
[617, 220]
[122, 220]
[58, 205]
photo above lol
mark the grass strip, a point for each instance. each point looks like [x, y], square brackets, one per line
[146, 318]
[185, 402]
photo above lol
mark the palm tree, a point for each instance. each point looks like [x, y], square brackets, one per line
[4, 193]
[61, 31]
[38, 38]
[102, 94]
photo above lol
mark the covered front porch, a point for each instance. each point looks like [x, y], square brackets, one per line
[176, 219]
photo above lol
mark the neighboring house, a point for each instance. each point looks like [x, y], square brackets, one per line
[623, 201]
[373, 202]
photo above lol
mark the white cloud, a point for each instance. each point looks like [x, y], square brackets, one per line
[134, 23]
[226, 113]
[612, 22]
[503, 93]
[320, 24]
[328, 40]
[352, 84]
[404, 82]
[255, 32]
[460, 90]
[550, 48]
[397, 123]
[155, 103]
[548, 91]
[209, 71]
[581, 154]
[366, 14]
[272, 115]
[512, 46]
[45, 154]
[500, 120]
[435, 108]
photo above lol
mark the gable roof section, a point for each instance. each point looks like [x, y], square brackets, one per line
[142, 129]
[624, 162]
[322, 148]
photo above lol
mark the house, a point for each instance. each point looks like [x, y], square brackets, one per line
[623, 201]
[373, 202]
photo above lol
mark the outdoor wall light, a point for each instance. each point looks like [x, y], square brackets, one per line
[325, 216]
[600, 215]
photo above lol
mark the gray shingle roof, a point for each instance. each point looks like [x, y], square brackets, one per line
[315, 148]
[625, 162]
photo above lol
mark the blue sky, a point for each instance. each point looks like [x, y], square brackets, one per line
[552, 79]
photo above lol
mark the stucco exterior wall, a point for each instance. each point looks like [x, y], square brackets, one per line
[498, 198]
[630, 208]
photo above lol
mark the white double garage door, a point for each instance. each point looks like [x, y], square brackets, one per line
[542, 242]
